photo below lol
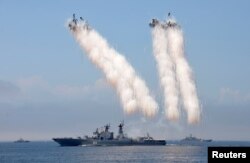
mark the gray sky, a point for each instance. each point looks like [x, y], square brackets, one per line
[49, 88]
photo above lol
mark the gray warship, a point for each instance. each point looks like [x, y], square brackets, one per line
[107, 138]
[192, 140]
[21, 140]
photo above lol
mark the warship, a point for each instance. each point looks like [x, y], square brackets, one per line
[21, 140]
[107, 138]
[192, 140]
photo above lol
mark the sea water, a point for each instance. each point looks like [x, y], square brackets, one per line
[51, 152]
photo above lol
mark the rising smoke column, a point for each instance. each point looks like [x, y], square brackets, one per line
[132, 90]
[166, 69]
[175, 44]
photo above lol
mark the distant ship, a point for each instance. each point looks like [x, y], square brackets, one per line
[106, 138]
[21, 141]
[191, 140]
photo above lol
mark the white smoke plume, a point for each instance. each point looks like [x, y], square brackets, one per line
[132, 90]
[174, 71]
[166, 71]
[184, 73]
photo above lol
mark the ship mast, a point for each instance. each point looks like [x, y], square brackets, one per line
[120, 131]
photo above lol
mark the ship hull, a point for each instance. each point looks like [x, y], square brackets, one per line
[72, 141]
[128, 142]
[91, 142]
[150, 142]
[112, 142]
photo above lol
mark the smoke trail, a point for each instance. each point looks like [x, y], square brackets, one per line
[132, 90]
[166, 72]
[183, 71]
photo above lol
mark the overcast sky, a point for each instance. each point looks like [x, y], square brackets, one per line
[49, 88]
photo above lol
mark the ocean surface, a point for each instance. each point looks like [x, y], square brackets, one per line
[51, 152]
